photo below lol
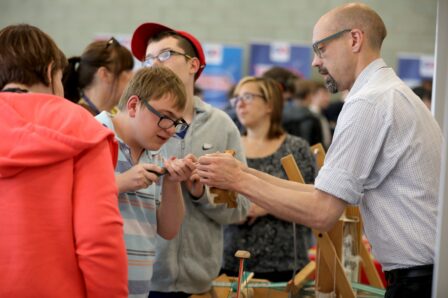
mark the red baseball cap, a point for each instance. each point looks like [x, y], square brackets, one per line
[145, 31]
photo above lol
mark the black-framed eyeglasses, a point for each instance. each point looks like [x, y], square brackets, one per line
[166, 122]
[162, 57]
[247, 97]
[318, 51]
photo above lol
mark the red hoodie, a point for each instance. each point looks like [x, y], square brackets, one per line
[61, 234]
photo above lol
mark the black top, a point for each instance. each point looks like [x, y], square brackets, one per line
[269, 239]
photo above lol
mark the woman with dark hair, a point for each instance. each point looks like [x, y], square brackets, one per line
[259, 105]
[97, 78]
[62, 234]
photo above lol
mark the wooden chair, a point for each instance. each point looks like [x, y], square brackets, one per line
[319, 154]
[328, 267]
[330, 256]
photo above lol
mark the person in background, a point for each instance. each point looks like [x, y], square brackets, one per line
[259, 105]
[97, 78]
[188, 263]
[320, 100]
[62, 234]
[385, 156]
[333, 110]
[148, 178]
[198, 91]
[424, 91]
[230, 110]
[298, 120]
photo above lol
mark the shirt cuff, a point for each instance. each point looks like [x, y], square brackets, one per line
[204, 199]
[339, 184]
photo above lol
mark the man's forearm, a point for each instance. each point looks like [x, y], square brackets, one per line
[294, 203]
[280, 182]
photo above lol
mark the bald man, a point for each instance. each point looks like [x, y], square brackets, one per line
[385, 156]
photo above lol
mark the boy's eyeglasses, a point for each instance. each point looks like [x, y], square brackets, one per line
[245, 98]
[166, 122]
[162, 57]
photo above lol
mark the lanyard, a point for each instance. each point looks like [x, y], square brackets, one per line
[90, 104]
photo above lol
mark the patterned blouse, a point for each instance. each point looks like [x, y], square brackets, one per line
[269, 239]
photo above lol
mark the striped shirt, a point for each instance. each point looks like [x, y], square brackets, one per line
[385, 156]
[138, 209]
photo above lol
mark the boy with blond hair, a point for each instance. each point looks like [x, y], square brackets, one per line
[150, 198]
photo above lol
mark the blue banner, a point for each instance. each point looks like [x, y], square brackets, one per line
[414, 68]
[223, 70]
[296, 58]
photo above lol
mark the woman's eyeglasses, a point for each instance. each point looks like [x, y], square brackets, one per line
[246, 98]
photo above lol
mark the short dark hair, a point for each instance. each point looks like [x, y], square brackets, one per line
[80, 72]
[304, 88]
[286, 78]
[422, 92]
[25, 54]
[183, 43]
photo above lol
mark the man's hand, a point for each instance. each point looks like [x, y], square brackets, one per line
[220, 170]
[137, 177]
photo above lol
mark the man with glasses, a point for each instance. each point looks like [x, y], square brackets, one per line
[188, 263]
[150, 197]
[385, 156]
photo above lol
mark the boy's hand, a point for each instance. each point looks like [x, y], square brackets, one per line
[195, 187]
[138, 177]
[255, 211]
[179, 169]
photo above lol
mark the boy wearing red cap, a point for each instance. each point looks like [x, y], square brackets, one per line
[188, 263]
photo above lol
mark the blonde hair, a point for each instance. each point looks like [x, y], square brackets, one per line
[273, 95]
[152, 83]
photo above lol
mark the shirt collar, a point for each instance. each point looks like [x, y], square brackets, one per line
[365, 75]
[106, 120]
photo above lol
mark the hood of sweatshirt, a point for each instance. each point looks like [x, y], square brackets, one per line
[41, 129]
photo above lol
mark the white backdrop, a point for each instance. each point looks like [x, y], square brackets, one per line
[440, 111]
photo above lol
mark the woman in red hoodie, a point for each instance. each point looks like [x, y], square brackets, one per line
[61, 234]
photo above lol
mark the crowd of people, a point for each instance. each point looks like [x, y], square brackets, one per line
[108, 191]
